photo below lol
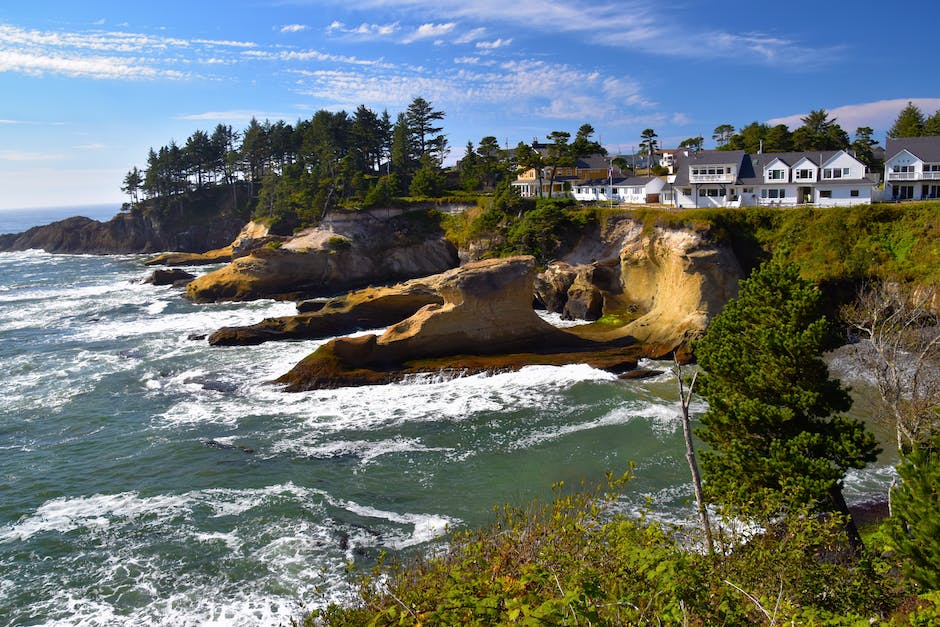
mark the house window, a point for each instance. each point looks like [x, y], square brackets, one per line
[775, 175]
[903, 168]
[835, 173]
[804, 174]
[853, 193]
[931, 167]
[825, 193]
[709, 193]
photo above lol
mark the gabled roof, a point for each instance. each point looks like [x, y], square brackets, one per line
[924, 148]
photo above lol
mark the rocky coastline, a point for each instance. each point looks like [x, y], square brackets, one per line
[641, 292]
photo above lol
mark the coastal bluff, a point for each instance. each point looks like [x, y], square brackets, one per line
[204, 221]
[657, 290]
[347, 250]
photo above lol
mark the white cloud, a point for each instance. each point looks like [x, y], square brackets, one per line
[293, 28]
[630, 24]
[92, 146]
[78, 66]
[429, 31]
[364, 30]
[493, 45]
[234, 115]
[878, 115]
[470, 36]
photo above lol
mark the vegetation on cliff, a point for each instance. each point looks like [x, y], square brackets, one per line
[883, 241]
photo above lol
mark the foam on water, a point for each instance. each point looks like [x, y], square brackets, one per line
[137, 572]
[153, 479]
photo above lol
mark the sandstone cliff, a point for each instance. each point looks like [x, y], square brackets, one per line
[486, 322]
[662, 284]
[347, 250]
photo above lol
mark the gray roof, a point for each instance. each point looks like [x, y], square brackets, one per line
[620, 181]
[754, 174]
[686, 158]
[924, 148]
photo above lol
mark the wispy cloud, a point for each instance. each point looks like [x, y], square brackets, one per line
[31, 123]
[92, 146]
[235, 115]
[629, 24]
[493, 45]
[364, 30]
[429, 31]
[293, 28]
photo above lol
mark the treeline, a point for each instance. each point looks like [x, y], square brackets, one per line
[819, 131]
[296, 172]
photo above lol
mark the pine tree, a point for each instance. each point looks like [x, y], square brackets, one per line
[775, 444]
[909, 123]
[914, 526]
[932, 125]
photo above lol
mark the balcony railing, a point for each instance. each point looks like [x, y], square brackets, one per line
[914, 176]
[711, 178]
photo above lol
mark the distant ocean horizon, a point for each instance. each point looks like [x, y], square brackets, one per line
[18, 220]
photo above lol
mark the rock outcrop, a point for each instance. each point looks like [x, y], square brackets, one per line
[663, 283]
[202, 221]
[253, 235]
[175, 277]
[348, 250]
[486, 322]
[369, 308]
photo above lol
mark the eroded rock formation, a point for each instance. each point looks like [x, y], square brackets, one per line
[347, 250]
[485, 322]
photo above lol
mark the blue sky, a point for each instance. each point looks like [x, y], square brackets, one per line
[87, 87]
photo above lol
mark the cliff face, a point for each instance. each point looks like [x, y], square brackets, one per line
[667, 282]
[201, 222]
[346, 251]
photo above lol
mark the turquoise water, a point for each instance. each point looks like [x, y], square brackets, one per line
[148, 478]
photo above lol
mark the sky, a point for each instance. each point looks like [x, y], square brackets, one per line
[86, 88]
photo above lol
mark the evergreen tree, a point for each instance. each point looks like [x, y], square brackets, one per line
[722, 135]
[819, 132]
[864, 147]
[775, 442]
[426, 138]
[932, 125]
[692, 143]
[132, 184]
[492, 160]
[914, 526]
[909, 123]
[584, 144]
[778, 139]
[428, 180]
[557, 156]
[749, 139]
[648, 145]
[471, 169]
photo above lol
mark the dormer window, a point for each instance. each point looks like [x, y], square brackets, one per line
[776, 175]
[804, 174]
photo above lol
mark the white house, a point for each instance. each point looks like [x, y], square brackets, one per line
[912, 168]
[716, 178]
[633, 190]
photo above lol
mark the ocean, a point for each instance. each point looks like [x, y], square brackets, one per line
[149, 478]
